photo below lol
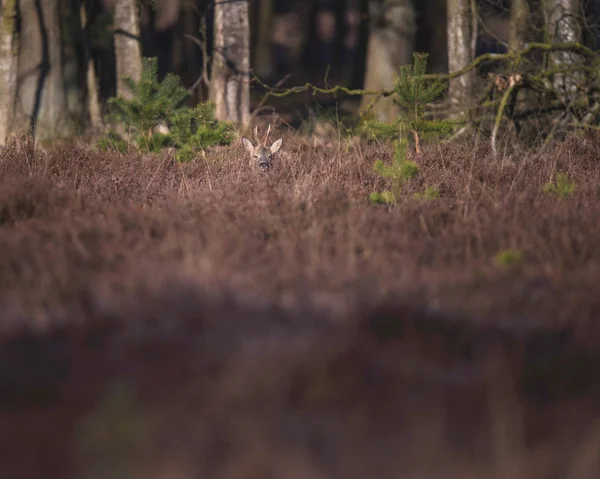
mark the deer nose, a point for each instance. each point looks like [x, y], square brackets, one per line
[263, 164]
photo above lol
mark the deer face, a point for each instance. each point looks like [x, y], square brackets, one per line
[261, 153]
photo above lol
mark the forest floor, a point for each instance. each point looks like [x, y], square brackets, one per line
[164, 320]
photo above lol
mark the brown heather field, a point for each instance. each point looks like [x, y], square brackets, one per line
[204, 320]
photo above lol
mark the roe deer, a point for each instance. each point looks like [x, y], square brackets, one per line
[260, 152]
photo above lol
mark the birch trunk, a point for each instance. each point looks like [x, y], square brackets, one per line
[8, 66]
[41, 100]
[563, 25]
[459, 51]
[128, 50]
[229, 83]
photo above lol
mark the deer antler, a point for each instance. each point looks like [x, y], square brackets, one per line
[256, 134]
[267, 135]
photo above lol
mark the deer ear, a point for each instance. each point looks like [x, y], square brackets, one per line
[248, 144]
[274, 148]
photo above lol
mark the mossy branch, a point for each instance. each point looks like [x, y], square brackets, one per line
[511, 56]
[574, 47]
[537, 80]
[281, 93]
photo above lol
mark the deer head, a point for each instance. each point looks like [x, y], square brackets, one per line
[260, 152]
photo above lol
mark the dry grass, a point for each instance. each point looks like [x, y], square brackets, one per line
[270, 325]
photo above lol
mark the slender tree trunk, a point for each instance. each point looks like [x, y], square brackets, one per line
[167, 14]
[229, 85]
[190, 25]
[305, 15]
[263, 61]
[8, 66]
[352, 18]
[166, 30]
[474, 30]
[519, 24]
[73, 62]
[390, 44]
[563, 24]
[41, 100]
[435, 19]
[128, 50]
[459, 50]
[93, 101]
[519, 34]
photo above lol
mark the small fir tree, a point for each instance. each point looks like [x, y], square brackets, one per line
[399, 172]
[155, 103]
[152, 103]
[412, 92]
[561, 187]
[195, 129]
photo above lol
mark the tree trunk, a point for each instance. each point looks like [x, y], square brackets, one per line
[519, 24]
[459, 51]
[436, 22]
[93, 101]
[73, 62]
[128, 50]
[352, 20]
[41, 100]
[563, 24]
[229, 84]
[390, 44]
[8, 66]
[167, 14]
[263, 61]
[191, 26]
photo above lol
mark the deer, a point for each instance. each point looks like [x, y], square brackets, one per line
[260, 152]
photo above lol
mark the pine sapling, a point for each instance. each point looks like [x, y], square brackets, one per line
[399, 172]
[157, 103]
[196, 129]
[152, 103]
[561, 186]
[412, 92]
